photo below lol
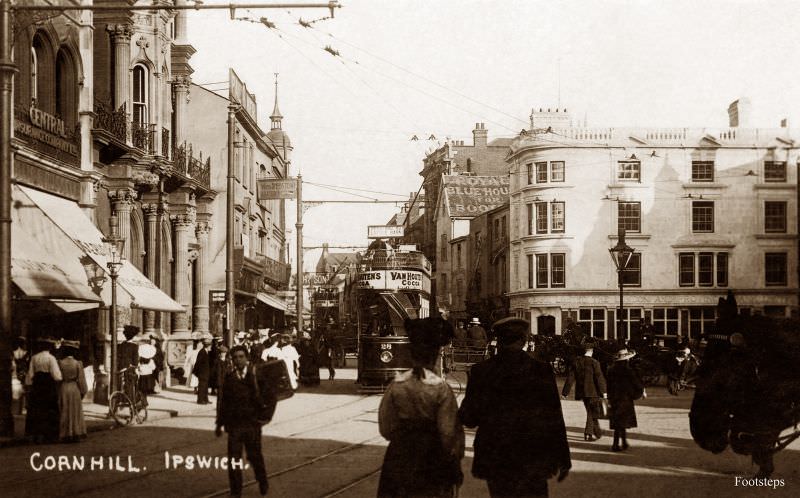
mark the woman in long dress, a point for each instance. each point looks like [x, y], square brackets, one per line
[309, 364]
[42, 419]
[419, 416]
[70, 399]
[624, 386]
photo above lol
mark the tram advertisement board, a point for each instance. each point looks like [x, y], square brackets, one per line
[394, 280]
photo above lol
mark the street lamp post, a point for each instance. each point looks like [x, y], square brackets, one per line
[115, 245]
[621, 255]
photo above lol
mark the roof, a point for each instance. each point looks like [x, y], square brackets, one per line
[501, 142]
[337, 259]
[470, 196]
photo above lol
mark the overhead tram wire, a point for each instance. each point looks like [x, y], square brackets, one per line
[353, 188]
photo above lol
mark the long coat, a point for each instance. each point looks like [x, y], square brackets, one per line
[202, 365]
[624, 386]
[588, 378]
[513, 400]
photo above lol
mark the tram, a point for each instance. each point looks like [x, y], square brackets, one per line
[391, 285]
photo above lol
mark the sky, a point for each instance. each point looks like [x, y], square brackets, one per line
[437, 67]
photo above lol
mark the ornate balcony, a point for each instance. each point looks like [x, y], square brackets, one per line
[143, 136]
[115, 123]
[190, 167]
[165, 143]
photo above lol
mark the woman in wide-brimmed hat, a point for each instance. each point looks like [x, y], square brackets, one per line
[419, 416]
[71, 392]
[624, 386]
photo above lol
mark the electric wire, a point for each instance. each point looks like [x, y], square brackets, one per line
[354, 188]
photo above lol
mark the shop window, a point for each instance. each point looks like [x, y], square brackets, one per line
[701, 322]
[593, 320]
[630, 322]
[665, 321]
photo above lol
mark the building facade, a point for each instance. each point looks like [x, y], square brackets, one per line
[487, 278]
[260, 270]
[706, 210]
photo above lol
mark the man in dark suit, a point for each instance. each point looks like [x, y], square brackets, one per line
[590, 386]
[238, 408]
[202, 370]
[513, 401]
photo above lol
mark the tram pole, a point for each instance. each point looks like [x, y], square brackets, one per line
[299, 227]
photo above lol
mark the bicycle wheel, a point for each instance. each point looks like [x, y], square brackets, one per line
[141, 407]
[120, 408]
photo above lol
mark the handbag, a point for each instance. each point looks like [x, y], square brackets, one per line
[601, 408]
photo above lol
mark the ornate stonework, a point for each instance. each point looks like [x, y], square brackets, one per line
[124, 195]
[120, 33]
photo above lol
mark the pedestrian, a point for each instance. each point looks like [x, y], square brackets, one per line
[290, 356]
[590, 386]
[128, 360]
[327, 352]
[238, 410]
[158, 359]
[309, 364]
[460, 335]
[202, 369]
[21, 359]
[73, 388]
[42, 420]
[419, 416]
[188, 364]
[513, 400]
[477, 334]
[624, 386]
[214, 363]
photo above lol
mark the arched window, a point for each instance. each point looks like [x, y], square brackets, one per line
[66, 88]
[140, 94]
[34, 75]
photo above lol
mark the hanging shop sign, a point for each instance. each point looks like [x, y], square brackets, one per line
[277, 188]
[385, 231]
[47, 134]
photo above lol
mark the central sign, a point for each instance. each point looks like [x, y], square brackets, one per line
[385, 231]
[394, 280]
[277, 188]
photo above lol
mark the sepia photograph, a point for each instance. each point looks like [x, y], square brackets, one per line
[399, 248]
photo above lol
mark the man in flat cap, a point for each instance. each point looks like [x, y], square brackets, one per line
[513, 401]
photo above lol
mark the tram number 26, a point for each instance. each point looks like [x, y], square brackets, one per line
[385, 347]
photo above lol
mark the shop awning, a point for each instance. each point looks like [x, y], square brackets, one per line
[40, 274]
[272, 301]
[54, 222]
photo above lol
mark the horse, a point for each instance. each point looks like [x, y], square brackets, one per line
[747, 390]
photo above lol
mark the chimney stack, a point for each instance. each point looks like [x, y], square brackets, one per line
[739, 113]
[479, 135]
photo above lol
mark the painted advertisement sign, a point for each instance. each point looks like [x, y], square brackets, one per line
[394, 280]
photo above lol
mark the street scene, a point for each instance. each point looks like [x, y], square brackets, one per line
[399, 248]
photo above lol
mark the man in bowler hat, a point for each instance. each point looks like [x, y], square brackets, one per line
[513, 400]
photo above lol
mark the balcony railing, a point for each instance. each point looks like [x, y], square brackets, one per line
[165, 143]
[114, 122]
[189, 166]
[143, 136]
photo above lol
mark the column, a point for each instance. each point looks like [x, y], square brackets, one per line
[150, 211]
[182, 224]
[180, 25]
[121, 205]
[200, 291]
[121, 40]
[180, 85]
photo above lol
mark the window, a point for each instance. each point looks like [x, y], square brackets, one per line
[458, 252]
[775, 268]
[557, 217]
[557, 270]
[774, 171]
[139, 94]
[503, 234]
[665, 321]
[444, 285]
[629, 171]
[541, 172]
[541, 217]
[703, 216]
[34, 75]
[496, 230]
[775, 216]
[531, 269]
[66, 89]
[541, 270]
[557, 171]
[705, 269]
[530, 219]
[529, 168]
[686, 269]
[443, 245]
[702, 171]
[630, 322]
[708, 266]
[629, 216]
[594, 319]
[775, 311]
[632, 274]
[701, 321]
[722, 269]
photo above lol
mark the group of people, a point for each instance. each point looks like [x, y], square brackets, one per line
[55, 385]
[475, 335]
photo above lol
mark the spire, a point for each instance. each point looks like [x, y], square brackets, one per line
[276, 113]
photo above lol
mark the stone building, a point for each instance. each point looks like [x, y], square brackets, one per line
[706, 210]
[487, 272]
[100, 112]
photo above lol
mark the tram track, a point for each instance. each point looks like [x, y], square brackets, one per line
[66, 476]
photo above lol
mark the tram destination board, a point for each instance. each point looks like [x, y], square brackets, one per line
[394, 280]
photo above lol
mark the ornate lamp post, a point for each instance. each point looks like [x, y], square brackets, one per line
[621, 255]
[115, 245]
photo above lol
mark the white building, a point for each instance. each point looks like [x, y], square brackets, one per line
[706, 211]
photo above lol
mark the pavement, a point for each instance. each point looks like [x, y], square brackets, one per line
[171, 402]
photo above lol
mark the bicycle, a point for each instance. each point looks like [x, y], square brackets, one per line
[120, 405]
